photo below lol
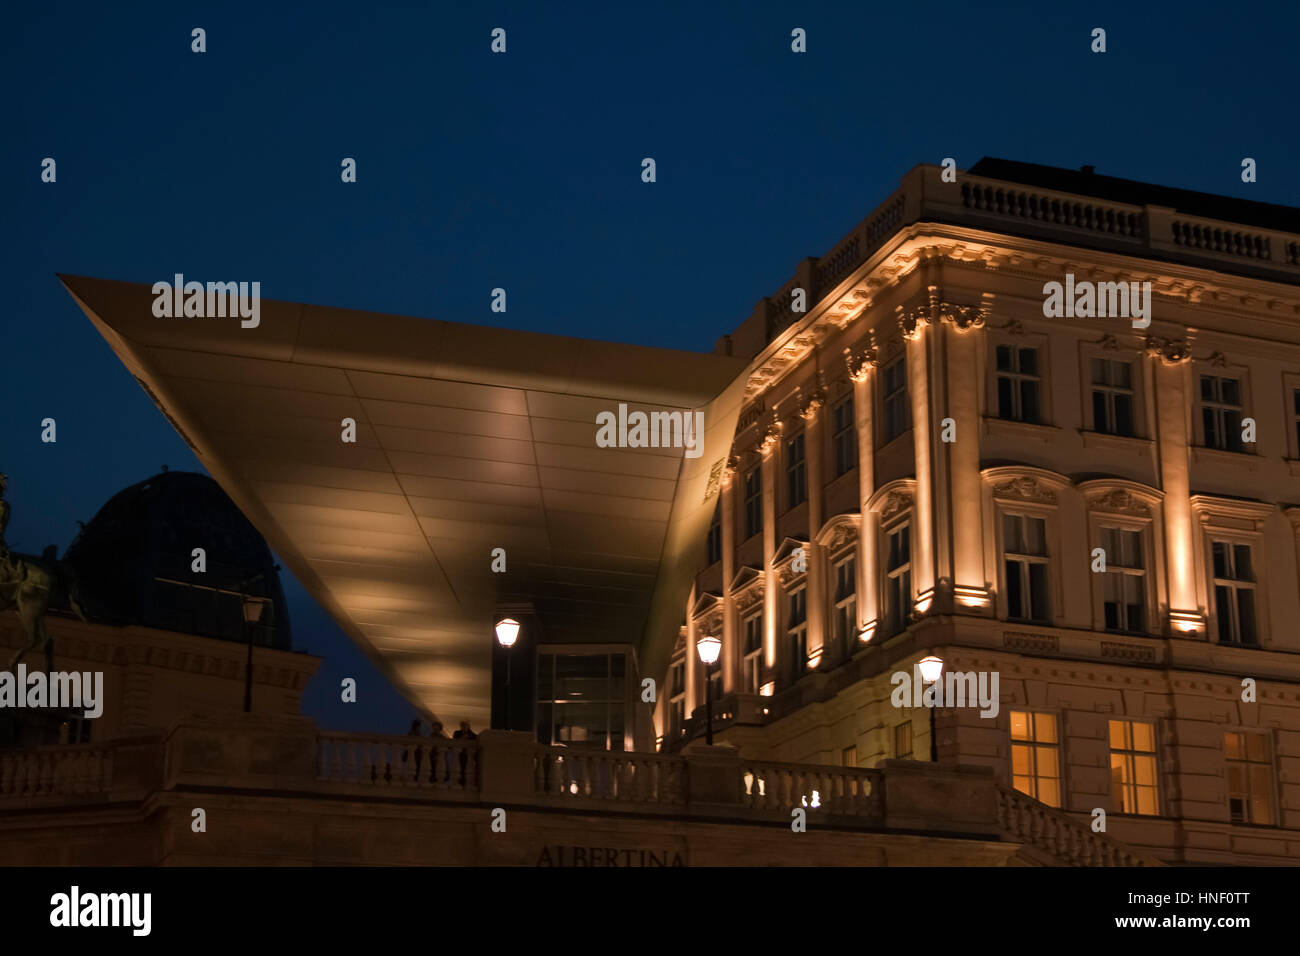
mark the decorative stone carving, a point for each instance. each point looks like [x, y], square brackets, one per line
[1025, 489]
[771, 437]
[963, 317]
[1218, 360]
[860, 363]
[895, 502]
[1014, 327]
[1119, 501]
[844, 534]
[811, 404]
[911, 321]
[1169, 351]
[1108, 342]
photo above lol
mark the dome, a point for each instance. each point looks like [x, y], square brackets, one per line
[134, 560]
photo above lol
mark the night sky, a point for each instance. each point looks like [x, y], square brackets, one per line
[523, 170]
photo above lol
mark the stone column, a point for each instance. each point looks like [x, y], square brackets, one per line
[810, 411]
[771, 585]
[861, 366]
[732, 653]
[957, 463]
[1171, 381]
[692, 657]
[915, 324]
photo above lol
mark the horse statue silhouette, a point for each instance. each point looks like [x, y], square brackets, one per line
[26, 586]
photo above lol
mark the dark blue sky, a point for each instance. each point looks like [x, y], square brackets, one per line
[523, 171]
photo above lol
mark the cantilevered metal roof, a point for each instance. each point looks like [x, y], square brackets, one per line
[467, 439]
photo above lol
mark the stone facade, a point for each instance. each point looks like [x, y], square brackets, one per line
[933, 395]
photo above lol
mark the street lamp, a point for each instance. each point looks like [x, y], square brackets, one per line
[253, 607]
[507, 633]
[708, 648]
[931, 671]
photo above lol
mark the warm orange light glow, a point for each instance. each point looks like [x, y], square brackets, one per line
[814, 659]
[767, 689]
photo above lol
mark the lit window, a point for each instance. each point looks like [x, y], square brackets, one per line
[1124, 583]
[1250, 778]
[1035, 756]
[582, 700]
[796, 478]
[1112, 397]
[844, 436]
[1234, 592]
[1133, 767]
[897, 408]
[1221, 412]
[1024, 545]
[1018, 383]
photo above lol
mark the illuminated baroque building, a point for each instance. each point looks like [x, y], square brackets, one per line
[949, 461]
[902, 457]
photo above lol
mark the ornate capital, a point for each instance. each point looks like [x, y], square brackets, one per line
[811, 404]
[767, 444]
[963, 317]
[861, 363]
[911, 321]
[1169, 351]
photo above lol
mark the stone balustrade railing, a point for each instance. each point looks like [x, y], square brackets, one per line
[1060, 837]
[627, 777]
[274, 756]
[55, 771]
[836, 790]
[417, 763]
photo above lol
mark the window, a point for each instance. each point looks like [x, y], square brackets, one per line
[1250, 778]
[844, 435]
[797, 632]
[1018, 383]
[677, 700]
[581, 700]
[1221, 412]
[846, 605]
[894, 389]
[1133, 767]
[849, 757]
[715, 534]
[1112, 397]
[903, 740]
[898, 578]
[1123, 584]
[1234, 592]
[1024, 545]
[753, 652]
[1036, 756]
[754, 501]
[796, 479]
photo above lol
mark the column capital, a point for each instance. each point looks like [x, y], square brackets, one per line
[861, 362]
[771, 436]
[1171, 352]
[912, 321]
[811, 404]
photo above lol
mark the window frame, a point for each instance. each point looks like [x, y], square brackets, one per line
[901, 395]
[752, 501]
[796, 469]
[1119, 801]
[895, 615]
[1034, 745]
[844, 438]
[1270, 789]
[1240, 375]
[1018, 378]
[1015, 510]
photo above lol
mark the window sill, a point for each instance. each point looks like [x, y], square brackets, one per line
[1232, 459]
[1027, 430]
[1132, 444]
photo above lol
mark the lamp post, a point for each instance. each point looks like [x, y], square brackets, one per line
[931, 671]
[253, 607]
[708, 648]
[507, 633]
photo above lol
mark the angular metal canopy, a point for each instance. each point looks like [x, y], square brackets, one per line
[467, 439]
